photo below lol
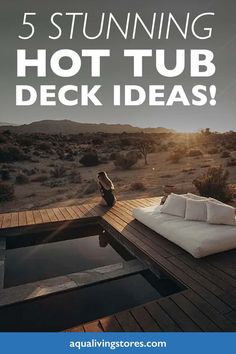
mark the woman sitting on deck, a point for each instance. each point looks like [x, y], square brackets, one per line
[107, 189]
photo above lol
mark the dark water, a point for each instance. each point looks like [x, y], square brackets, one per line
[68, 309]
[29, 264]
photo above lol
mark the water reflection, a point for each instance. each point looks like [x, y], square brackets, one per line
[28, 264]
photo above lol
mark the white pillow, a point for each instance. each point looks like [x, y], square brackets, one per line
[196, 210]
[195, 196]
[175, 204]
[216, 201]
[219, 213]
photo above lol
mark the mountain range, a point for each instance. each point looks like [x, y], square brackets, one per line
[70, 127]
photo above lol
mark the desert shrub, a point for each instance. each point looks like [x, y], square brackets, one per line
[44, 146]
[11, 153]
[175, 156]
[58, 171]
[29, 172]
[44, 156]
[230, 145]
[6, 192]
[231, 162]
[25, 140]
[21, 178]
[163, 148]
[34, 160]
[213, 151]
[214, 184]
[97, 141]
[225, 154]
[137, 186]
[40, 178]
[3, 139]
[145, 146]
[5, 174]
[113, 156]
[89, 159]
[36, 153]
[91, 187]
[126, 161]
[171, 144]
[194, 152]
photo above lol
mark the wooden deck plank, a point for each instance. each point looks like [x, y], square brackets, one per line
[127, 322]
[162, 318]
[232, 316]
[225, 281]
[97, 209]
[229, 299]
[179, 316]
[85, 211]
[22, 218]
[75, 329]
[94, 326]
[145, 321]
[15, 219]
[52, 216]
[37, 217]
[110, 324]
[220, 320]
[44, 215]
[71, 212]
[226, 262]
[196, 276]
[195, 314]
[59, 215]
[77, 211]
[7, 220]
[65, 213]
[1, 219]
[30, 217]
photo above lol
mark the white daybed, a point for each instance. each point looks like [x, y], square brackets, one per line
[198, 238]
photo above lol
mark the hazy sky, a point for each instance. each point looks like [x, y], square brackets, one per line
[116, 69]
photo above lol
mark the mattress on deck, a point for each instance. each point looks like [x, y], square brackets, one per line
[198, 238]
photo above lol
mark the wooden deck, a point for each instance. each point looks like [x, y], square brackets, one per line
[207, 304]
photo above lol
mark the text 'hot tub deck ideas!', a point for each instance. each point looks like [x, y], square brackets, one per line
[194, 62]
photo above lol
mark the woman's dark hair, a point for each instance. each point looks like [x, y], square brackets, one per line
[101, 174]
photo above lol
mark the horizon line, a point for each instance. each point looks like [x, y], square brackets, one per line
[14, 124]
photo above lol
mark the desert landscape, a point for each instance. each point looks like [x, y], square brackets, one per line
[50, 163]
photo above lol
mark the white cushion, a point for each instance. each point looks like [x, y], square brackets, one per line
[198, 238]
[215, 200]
[174, 205]
[196, 210]
[195, 196]
[219, 213]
